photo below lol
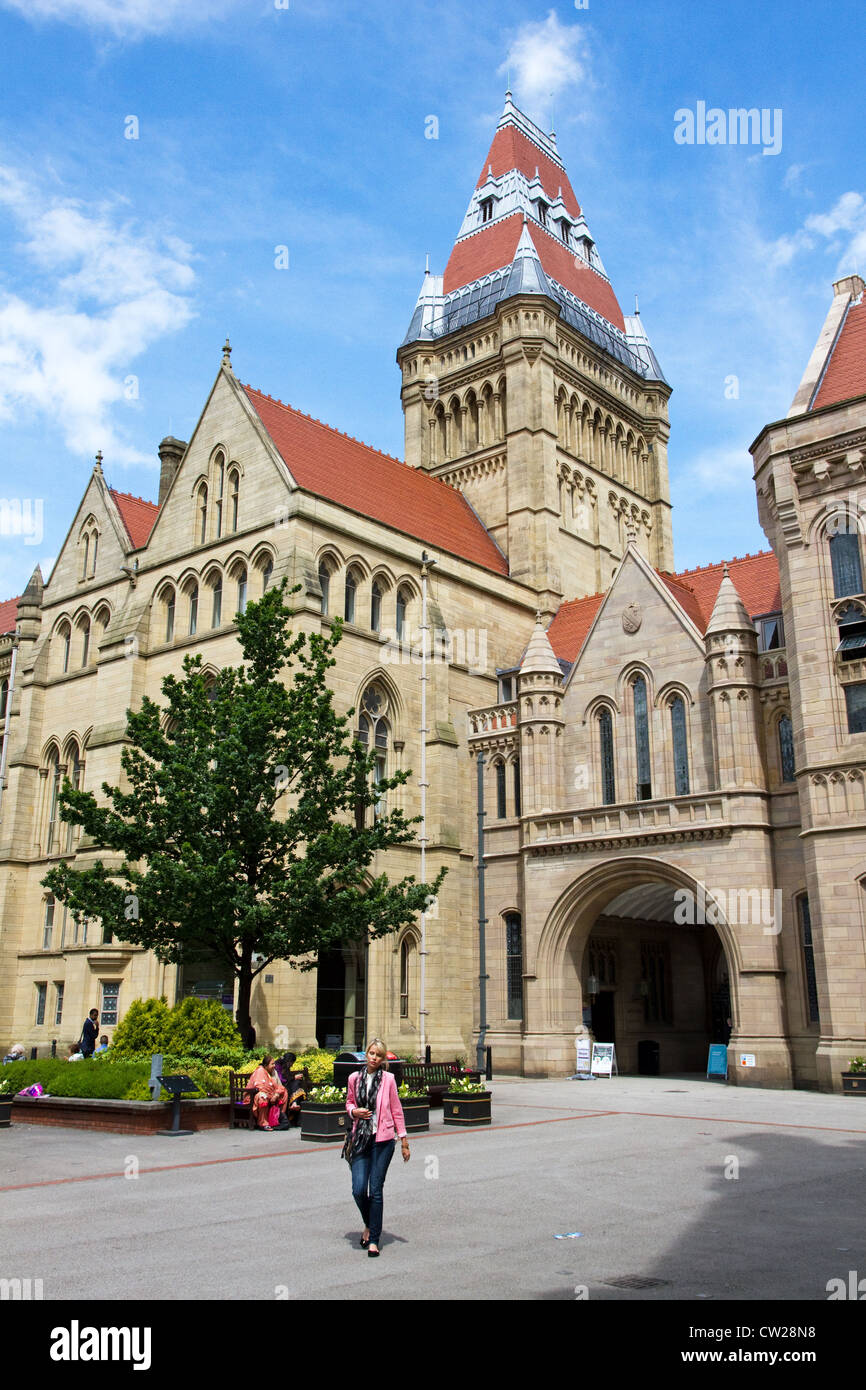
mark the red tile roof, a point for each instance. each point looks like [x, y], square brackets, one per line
[511, 149]
[330, 464]
[8, 615]
[845, 373]
[755, 577]
[137, 516]
[494, 245]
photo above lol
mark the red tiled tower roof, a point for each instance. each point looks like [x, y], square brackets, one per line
[511, 149]
[845, 371]
[755, 577]
[137, 516]
[8, 615]
[330, 464]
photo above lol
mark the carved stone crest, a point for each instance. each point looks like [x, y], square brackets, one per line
[632, 617]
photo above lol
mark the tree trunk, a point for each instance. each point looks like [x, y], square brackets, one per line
[245, 986]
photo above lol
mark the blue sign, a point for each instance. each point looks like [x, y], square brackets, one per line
[717, 1060]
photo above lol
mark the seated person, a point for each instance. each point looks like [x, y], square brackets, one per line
[103, 1044]
[74, 1054]
[296, 1082]
[267, 1093]
[15, 1053]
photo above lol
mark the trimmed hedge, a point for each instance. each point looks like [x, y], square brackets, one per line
[149, 1026]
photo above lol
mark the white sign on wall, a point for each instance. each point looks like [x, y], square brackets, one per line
[747, 1059]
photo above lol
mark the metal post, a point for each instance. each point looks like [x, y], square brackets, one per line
[426, 565]
[482, 922]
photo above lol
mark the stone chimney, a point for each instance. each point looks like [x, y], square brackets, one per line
[171, 451]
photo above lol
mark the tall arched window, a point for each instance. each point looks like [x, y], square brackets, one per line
[220, 489]
[407, 965]
[53, 794]
[48, 923]
[65, 635]
[501, 807]
[267, 570]
[808, 951]
[234, 490]
[202, 514]
[681, 750]
[786, 748]
[241, 577]
[514, 964]
[608, 772]
[351, 592]
[641, 739]
[402, 606]
[845, 562]
[325, 586]
[169, 603]
[217, 601]
[517, 787]
[4, 699]
[85, 641]
[192, 624]
[374, 736]
[73, 773]
[375, 607]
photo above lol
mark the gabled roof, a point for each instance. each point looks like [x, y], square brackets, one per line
[330, 464]
[845, 369]
[137, 516]
[8, 615]
[755, 577]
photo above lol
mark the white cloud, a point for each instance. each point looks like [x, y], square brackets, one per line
[843, 229]
[544, 60]
[124, 18]
[102, 292]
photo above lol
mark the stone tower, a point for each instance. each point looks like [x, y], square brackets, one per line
[526, 388]
[810, 475]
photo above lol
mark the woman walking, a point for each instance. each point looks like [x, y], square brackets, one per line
[373, 1104]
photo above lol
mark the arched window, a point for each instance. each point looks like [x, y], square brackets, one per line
[4, 699]
[234, 490]
[85, 641]
[73, 773]
[220, 474]
[53, 793]
[374, 737]
[516, 787]
[94, 551]
[192, 624]
[808, 950]
[786, 748]
[241, 577]
[514, 964]
[217, 601]
[608, 775]
[375, 607]
[84, 570]
[48, 923]
[845, 562]
[169, 606]
[407, 964]
[681, 751]
[65, 635]
[641, 738]
[267, 570]
[351, 592]
[202, 514]
[402, 606]
[501, 807]
[325, 586]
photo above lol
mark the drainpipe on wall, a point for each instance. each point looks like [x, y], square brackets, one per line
[482, 922]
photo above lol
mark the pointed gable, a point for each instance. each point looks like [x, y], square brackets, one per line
[333, 465]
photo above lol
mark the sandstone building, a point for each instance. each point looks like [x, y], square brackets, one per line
[673, 764]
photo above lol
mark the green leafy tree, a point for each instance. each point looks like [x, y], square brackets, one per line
[251, 818]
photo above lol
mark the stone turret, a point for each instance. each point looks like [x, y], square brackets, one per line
[732, 670]
[30, 608]
[539, 693]
[171, 451]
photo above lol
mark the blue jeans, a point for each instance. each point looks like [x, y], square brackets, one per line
[368, 1180]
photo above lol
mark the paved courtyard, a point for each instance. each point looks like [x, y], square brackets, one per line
[704, 1192]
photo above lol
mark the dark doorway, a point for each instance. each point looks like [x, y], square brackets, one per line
[341, 997]
[603, 1019]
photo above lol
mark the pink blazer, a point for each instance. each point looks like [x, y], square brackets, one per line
[389, 1111]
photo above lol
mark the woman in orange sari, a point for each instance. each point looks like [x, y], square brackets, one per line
[266, 1091]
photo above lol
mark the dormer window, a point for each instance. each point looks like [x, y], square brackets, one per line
[542, 211]
[486, 209]
[586, 245]
[565, 228]
[506, 689]
[771, 633]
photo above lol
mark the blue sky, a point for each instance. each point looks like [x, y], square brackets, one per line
[127, 261]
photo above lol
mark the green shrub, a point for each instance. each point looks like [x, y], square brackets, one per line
[199, 1023]
[61, 1078]
[193, 1027]
[319, 1063]
[141, 1029]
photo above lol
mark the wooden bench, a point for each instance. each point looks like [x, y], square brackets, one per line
[240, 1109]
[434, 1077]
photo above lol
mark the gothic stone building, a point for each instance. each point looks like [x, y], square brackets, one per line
[673, 764]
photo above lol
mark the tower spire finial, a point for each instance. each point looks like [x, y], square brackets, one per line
[227, 353]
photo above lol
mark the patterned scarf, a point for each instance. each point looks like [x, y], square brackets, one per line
[365, 1099]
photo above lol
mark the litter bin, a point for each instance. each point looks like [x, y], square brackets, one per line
[648, 1058]
[344, 1064]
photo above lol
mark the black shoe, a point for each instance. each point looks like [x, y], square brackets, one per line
[364, 1243]
[372, 1254]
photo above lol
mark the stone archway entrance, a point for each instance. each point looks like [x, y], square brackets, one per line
[624, 952]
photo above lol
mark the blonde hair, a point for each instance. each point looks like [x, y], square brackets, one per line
[377, 1042]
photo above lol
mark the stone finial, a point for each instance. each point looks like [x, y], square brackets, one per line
[227, 353]
[97, 467]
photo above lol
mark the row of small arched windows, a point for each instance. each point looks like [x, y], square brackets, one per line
[217, 500]
[185, 610]
[356, 601]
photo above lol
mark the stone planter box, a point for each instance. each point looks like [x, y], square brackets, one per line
[467, 1110]
[5, 1111]
[324, 1124]
[119, 1116]
[416, 1113]
[854, 1083]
